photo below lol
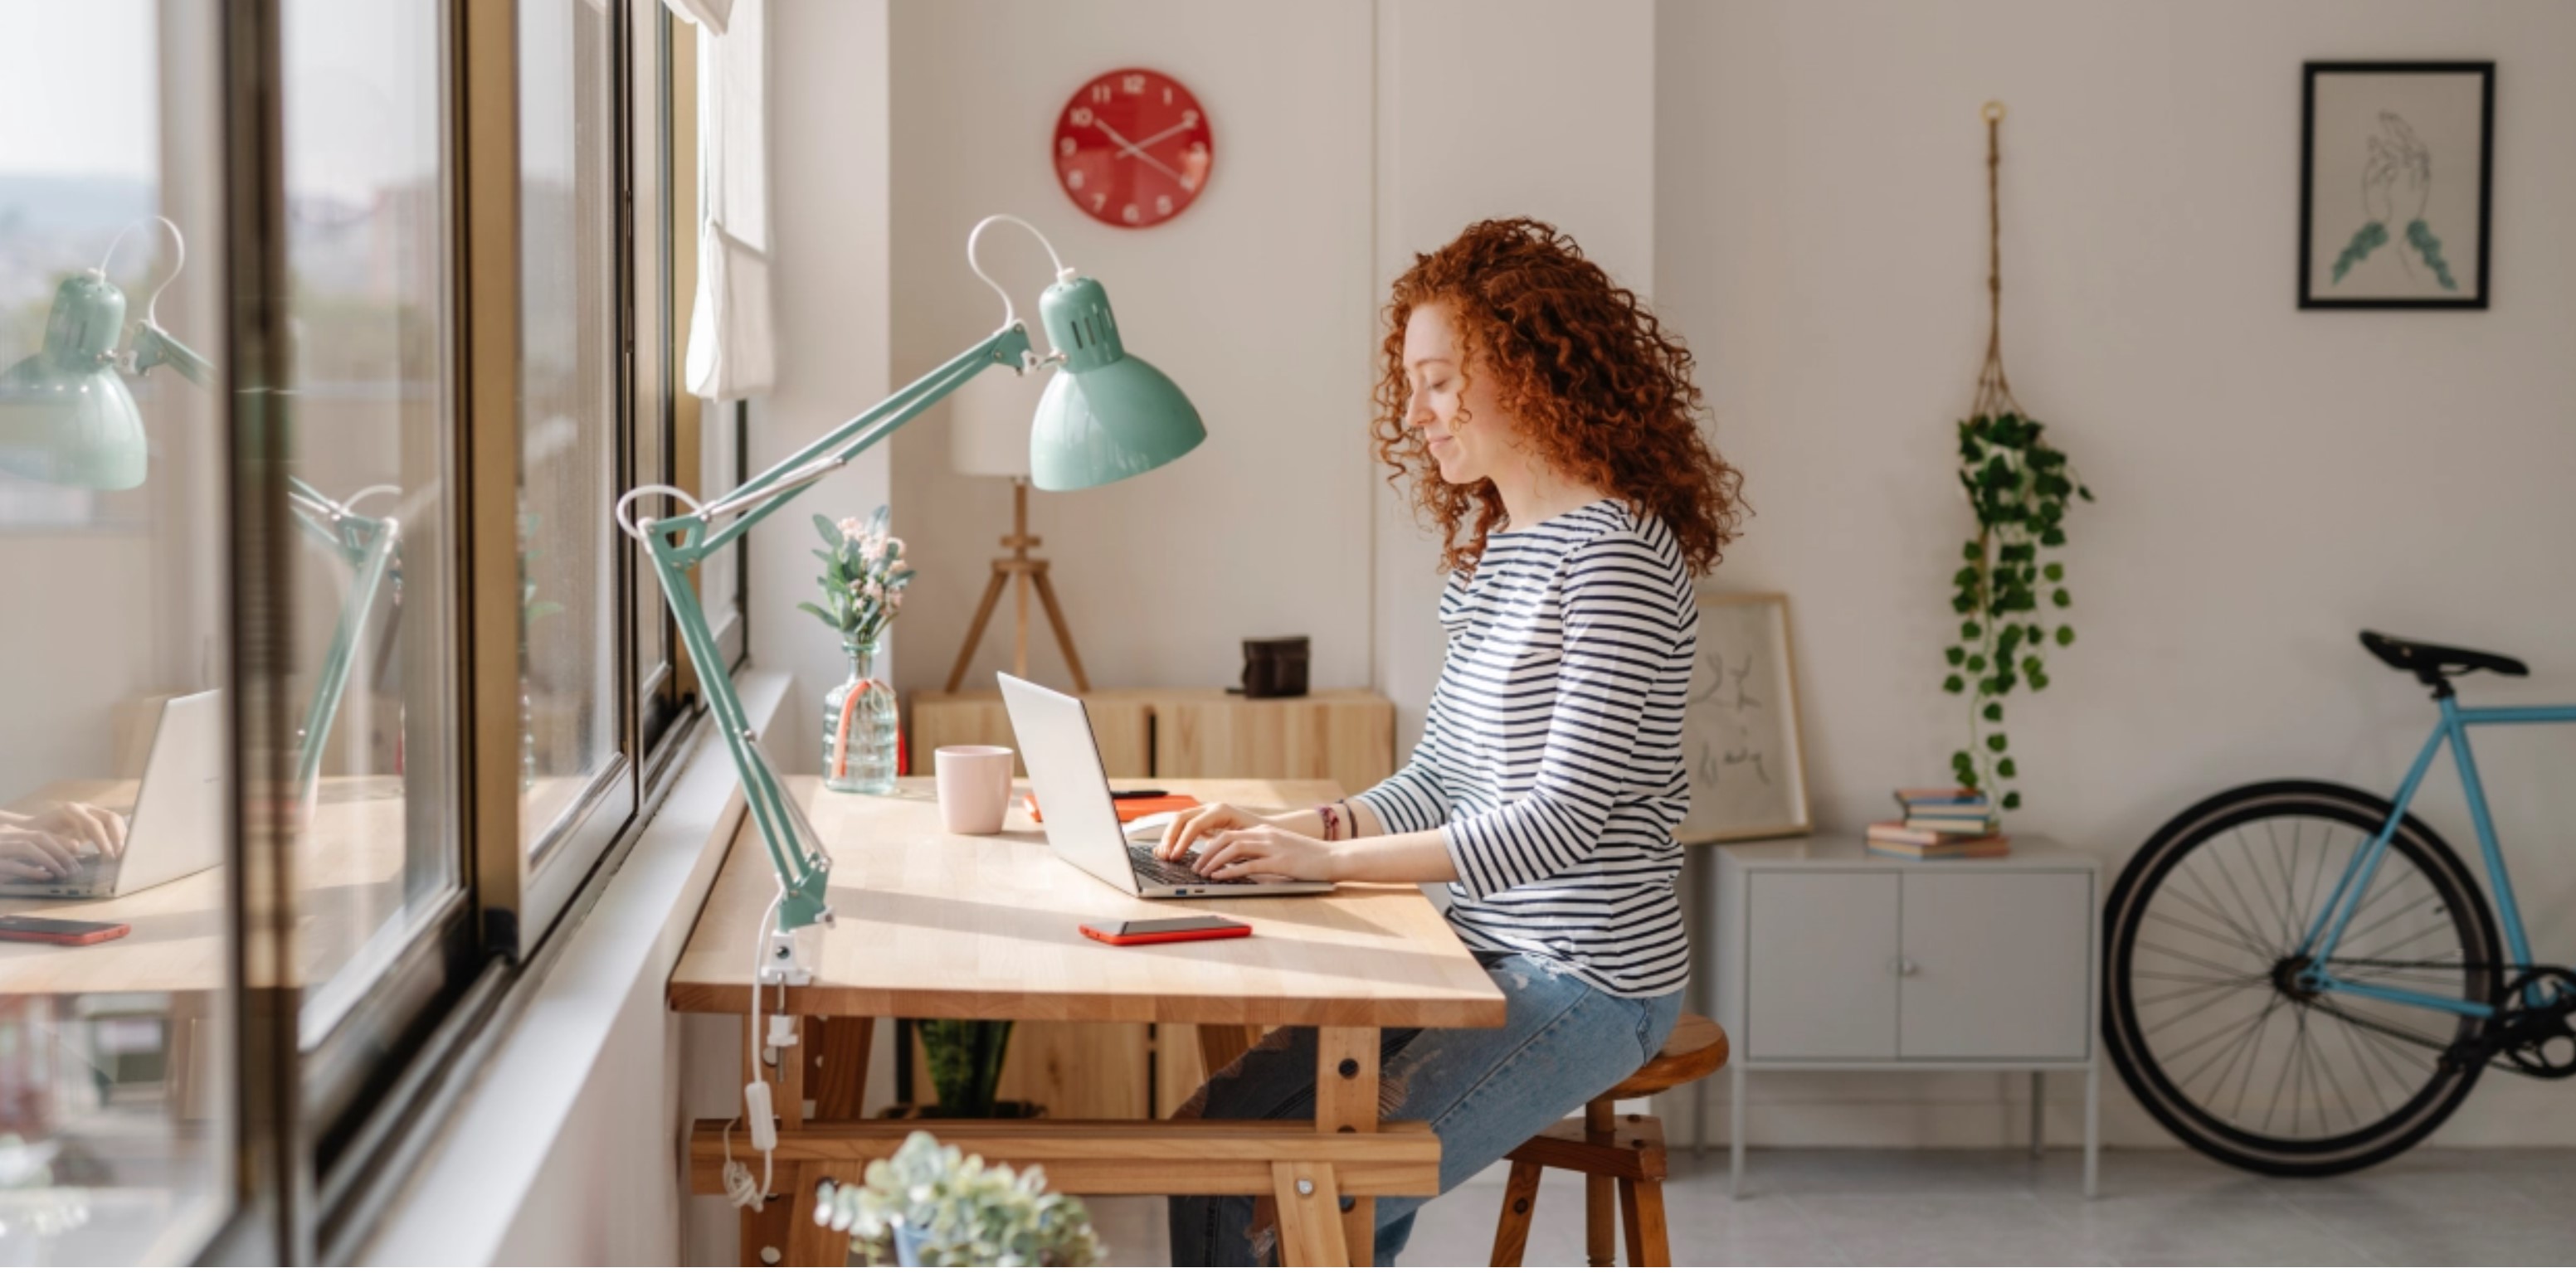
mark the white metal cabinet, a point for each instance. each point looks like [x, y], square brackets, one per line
[1993, 964]
[1825, 956]
[1821, 988]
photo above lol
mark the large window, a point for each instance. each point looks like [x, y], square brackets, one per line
[117, 1097]
[313, 579]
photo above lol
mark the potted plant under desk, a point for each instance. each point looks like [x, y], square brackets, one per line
[930, 1206]
[965, 1071]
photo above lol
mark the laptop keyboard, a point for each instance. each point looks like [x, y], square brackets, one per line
[1154, 870]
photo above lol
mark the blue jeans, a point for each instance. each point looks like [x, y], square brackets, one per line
[1562, 1043]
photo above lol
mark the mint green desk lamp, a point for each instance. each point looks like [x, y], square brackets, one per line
[67, 419]
[1106, 415]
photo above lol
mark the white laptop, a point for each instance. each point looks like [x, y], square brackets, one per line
[1082, 820]
[176, 826]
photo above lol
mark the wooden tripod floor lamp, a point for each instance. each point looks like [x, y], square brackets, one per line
[988, 437]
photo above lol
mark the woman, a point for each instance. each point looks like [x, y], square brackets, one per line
[1549, 428]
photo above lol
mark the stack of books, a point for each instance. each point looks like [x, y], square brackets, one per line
[1940, 822]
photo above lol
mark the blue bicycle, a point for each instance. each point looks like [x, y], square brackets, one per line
[2303, 979]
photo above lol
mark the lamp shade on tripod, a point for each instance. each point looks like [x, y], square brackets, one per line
[66, 417]
[989, 419]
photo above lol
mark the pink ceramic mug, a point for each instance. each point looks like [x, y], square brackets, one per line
[974, 788]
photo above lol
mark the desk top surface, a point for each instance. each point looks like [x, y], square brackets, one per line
[938, 925]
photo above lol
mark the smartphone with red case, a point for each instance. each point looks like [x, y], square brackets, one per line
[59, 932]
[1147, 932]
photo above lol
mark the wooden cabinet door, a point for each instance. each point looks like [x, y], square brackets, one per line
[1997, 966]
[1822, 965]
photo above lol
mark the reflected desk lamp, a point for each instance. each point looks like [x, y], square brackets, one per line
[1105, 415]
[67, 419]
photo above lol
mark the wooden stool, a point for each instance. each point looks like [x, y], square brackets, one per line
[1607, 1148]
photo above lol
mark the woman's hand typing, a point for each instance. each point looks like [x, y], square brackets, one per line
[1246, 852]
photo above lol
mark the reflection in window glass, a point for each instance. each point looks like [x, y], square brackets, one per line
[372, 422]
[115, 1069]
[568, 412]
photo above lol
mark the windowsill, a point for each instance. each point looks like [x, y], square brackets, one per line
[515, 1139]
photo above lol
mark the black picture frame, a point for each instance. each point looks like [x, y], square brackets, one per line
[2310, 295]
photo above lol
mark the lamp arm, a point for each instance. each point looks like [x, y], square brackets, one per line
[678, 543]
[154, 346]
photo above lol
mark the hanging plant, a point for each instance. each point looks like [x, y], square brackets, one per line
[2011, 595]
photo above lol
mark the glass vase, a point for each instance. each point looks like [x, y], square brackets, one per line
[859, 727]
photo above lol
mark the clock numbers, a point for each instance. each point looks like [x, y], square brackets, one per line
[1132, 148]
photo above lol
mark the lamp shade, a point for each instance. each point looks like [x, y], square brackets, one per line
[989, 419]
[1107, 414]
[66, 417]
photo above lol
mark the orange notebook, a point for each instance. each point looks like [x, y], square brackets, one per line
[1130, 810]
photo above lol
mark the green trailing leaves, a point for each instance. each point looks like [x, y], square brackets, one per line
[2366, 240]
[2020, 489]
[2421, 237]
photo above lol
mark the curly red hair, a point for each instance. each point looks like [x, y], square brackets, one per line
[1598, 389]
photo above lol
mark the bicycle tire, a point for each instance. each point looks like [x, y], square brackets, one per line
[2147, 1072]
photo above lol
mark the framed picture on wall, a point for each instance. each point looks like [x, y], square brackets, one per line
[2396, 160]
[1740, 743]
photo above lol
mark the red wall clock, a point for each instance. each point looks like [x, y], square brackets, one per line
[1132, 148]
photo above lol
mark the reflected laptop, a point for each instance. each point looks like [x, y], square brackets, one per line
[176, 826]
[1081, 819]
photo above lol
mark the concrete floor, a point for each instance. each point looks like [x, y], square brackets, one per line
[1999, 1207]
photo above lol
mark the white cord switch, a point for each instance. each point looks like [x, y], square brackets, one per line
[764, 1126]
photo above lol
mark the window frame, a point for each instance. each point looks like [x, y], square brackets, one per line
[327, 1133]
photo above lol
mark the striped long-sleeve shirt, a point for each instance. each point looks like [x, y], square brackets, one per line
[1551, 760]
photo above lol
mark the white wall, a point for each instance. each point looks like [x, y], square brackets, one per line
[829, 223]
[1523, 108]
[1256, 300]
[2270, 480]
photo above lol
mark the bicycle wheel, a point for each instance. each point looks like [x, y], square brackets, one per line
[2205, 1019]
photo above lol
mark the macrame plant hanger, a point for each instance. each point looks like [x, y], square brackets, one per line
[1994, 391]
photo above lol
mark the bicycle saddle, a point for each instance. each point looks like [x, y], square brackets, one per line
[2431, 664]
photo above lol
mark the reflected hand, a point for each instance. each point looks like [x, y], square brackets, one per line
[1264, 850]
[59, 842]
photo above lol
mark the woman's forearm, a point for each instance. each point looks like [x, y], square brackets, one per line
[1418, 857]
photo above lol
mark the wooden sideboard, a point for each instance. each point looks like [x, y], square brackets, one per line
[1347, 736]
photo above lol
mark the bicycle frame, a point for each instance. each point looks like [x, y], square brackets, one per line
[2326, 931]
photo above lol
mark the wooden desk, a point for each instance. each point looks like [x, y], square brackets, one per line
[935, 925]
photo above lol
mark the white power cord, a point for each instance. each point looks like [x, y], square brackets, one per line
[739, 1188]
[1010, 311]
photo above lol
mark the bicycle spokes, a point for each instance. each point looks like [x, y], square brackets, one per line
[2242, 1039]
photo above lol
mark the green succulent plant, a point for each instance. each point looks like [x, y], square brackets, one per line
[958, 1212]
